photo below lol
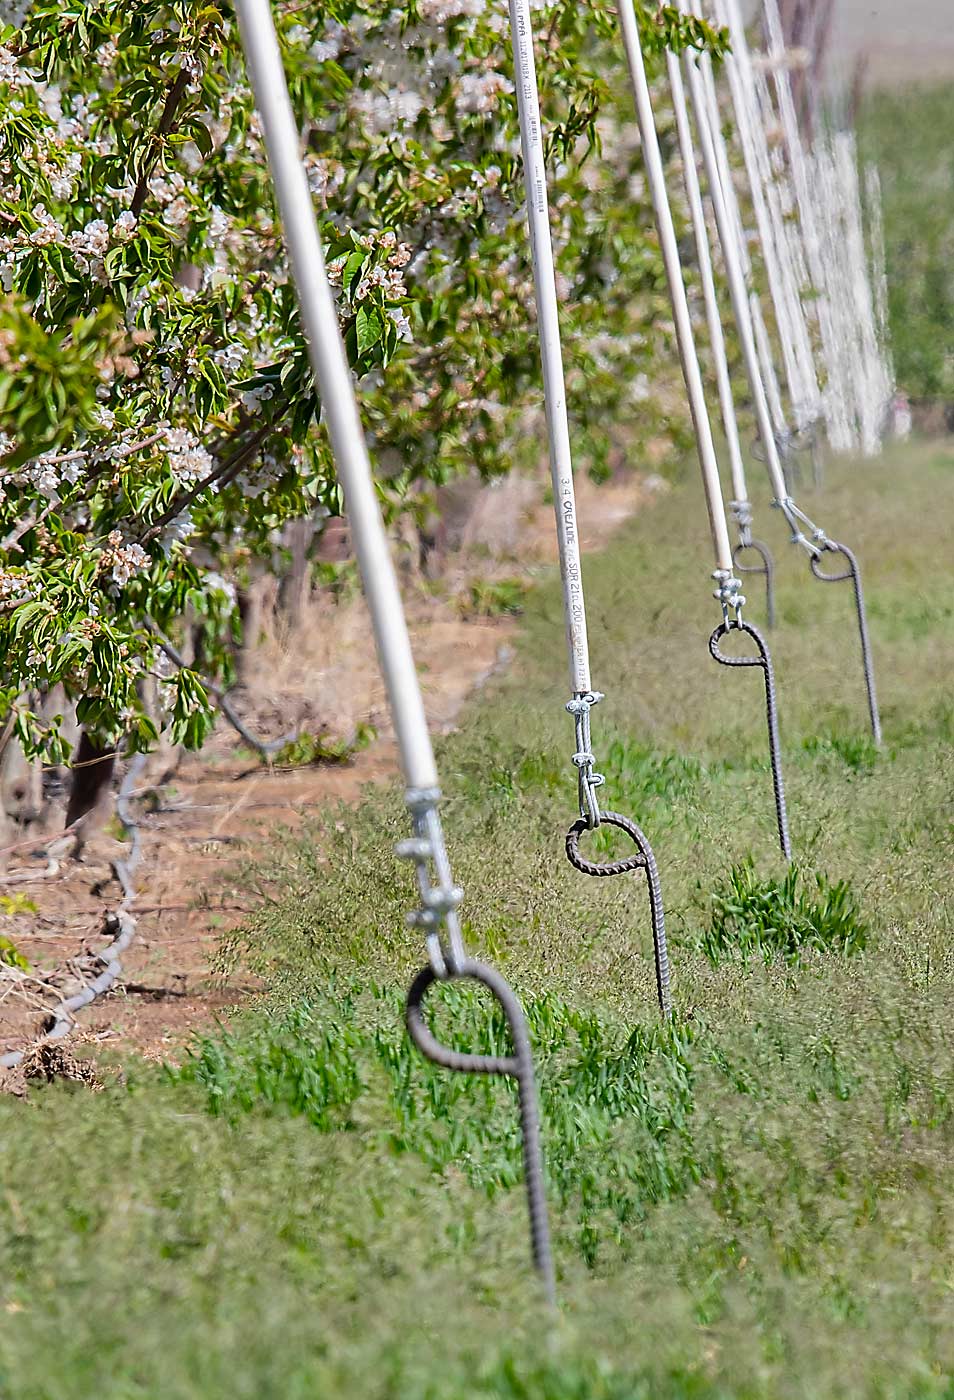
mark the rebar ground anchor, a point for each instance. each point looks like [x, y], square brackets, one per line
[764, 660]
[518, 1066]
[853, 572]
[767, 567]
[644, 859]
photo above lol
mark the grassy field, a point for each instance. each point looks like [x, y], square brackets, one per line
[758, 1202]
[909, 135]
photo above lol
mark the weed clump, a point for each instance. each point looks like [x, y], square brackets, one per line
[752, 917]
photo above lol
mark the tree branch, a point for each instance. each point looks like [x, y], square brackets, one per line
[166, 122]
[221, 475]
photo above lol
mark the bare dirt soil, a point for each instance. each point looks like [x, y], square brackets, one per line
[200, 828]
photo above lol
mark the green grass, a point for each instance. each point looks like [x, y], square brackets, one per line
[755, 1202]
[909, 134]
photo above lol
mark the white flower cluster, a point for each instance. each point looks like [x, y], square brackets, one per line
[331, 45]
[90, 246]
[49, 474]
[48, 229]
[188, 63]
[10, 70]
[123, 561]
[440, 11]
[402, 323]
[62, 172]
[253, 398]
[107, 54]
[387, 275]
[125, 226]
[177, 531]
[219, 225]
[188, 459]
[257, 479]
[324, 176]
[14, 589]
[170, 193]
[215, 583]
[230, 358]
[382, 111]
[478, 92]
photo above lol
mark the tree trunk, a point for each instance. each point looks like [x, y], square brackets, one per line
[93, 769]
[296, 585]
[251, 605]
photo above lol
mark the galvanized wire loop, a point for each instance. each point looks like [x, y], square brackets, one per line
[764, 660]
[518, 1066]
[644, 859]
[588, 780]
[853, 572]
[766, 567]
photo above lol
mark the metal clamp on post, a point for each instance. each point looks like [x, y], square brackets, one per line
[742, 515]
[796, 518]
[727, 593]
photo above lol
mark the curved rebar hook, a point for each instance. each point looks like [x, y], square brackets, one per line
[644, 859]
[854, 573]
[767, 567]
[518, 1066]
[764, 660]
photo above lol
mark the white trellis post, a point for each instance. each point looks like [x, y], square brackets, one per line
[439, 896]
[777, 237]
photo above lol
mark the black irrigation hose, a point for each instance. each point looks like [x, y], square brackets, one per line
[644, 859]
[518, 1066]
[853, 572]
[767, 567]
[764, 660]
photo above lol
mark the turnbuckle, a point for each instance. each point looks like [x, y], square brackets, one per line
[727, 593]
[795, 519]
[587, 780]
[440, 897]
